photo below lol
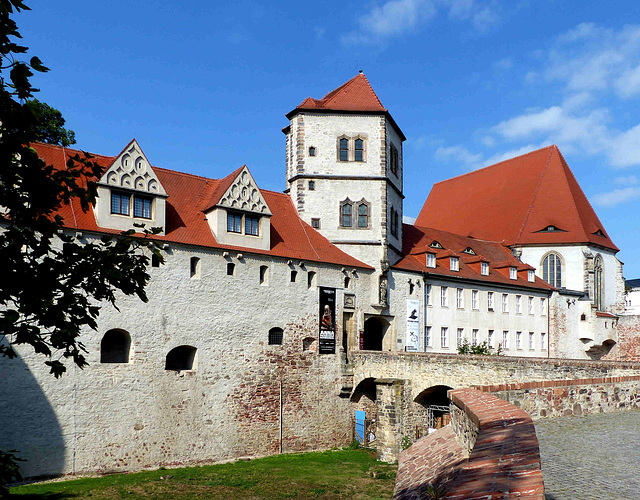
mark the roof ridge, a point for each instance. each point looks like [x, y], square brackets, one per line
[501, 242]
[68, 149]
[496, 164]
[533, 198]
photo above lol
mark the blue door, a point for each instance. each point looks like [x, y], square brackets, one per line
[360, 426]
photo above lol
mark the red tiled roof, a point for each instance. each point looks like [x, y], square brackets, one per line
[221, 188]
[416, 242]
[354, 95]
[189, 195]
[515, 201]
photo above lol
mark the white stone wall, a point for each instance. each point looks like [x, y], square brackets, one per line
[135, 415]
[468, 318]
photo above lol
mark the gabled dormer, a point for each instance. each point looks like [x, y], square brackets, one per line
[130, 192]
[238, 213]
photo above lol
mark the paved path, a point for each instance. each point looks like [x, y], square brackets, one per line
[591, 457]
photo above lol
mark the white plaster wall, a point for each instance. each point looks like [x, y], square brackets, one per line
[135, 415]
[573, 270]
[469, 319]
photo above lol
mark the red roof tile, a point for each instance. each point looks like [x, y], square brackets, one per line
[354, 95]
[189, 195]
[515, 201]
[415, 246]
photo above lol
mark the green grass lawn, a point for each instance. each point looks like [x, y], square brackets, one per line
[347, 473]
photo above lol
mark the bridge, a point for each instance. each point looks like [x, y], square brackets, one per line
[405, 394]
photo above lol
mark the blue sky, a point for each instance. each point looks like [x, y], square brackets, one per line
[204, 86]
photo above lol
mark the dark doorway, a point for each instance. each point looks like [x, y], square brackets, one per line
[375, 329]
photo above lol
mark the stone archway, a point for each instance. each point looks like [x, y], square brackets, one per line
[431, 409]
[375, 329]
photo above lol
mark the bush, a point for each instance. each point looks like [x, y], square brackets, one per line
[483, 349]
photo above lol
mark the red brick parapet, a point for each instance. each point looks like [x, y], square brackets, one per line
[544, 384]
[504, 462]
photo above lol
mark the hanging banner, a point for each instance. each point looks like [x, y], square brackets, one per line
[327, 344]
[412, 342]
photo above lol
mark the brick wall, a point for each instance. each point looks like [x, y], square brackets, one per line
[504, 461]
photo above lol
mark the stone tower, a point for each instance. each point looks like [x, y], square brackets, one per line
[344, 172]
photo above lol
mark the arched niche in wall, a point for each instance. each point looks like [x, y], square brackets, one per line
[115, 346]
[181, 358]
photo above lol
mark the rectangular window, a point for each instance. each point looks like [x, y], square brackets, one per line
[490, 338]
[454, 264]
[363, 215]
[294, 276]
[234, 223]
[531, 344]
[431, 260]
[505, 339]
[513, 273]
[251, 225]
[474, 300]
[484, 269]
[531, 276]
[490, 301]
[427, 336]
[142, 207]
[264, 275]
[444, 300]
[474, 336]
[428, 296]
[543, 306]
[530, 305]
[459, 336]
[315, 223]
[120, 203]
[393, 222]
[519, 340]
[460, 298]
[505, 303]
[393, 160]
[444, 337]
[518, 304]
[345, 215]
[543, 341]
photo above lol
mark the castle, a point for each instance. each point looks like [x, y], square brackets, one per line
[243, 347]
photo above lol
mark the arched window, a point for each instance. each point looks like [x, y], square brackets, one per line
[275, 336]
[359, 150]
[552, 270]
[115, 347]
[345, 214]
[344, 149]
[598, 283]
[363, 214]
[180, 358]
[195, 267]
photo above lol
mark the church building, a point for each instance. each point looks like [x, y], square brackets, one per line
[243, 347]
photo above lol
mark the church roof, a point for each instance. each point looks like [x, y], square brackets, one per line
[354, 96]
[417, 243]
[188, 196]
[533, 199]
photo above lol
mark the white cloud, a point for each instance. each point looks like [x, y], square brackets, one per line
[457, 154]
[503, 64]
[616, 197]
[629, 179]
[628, 84]
[625, 149]
[395, 18]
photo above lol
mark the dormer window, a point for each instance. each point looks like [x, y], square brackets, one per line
[531, 276]
[484, 268]
[600, 233]
[120, 203]
[142, 207]
[435, 244]
[251, 225]
[513, 273]
[431, 260]
[551, 229]
[454, 264]
[234, 223]
[469, 250]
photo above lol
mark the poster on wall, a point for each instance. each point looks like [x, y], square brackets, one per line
[412, 342]
[327, 344]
